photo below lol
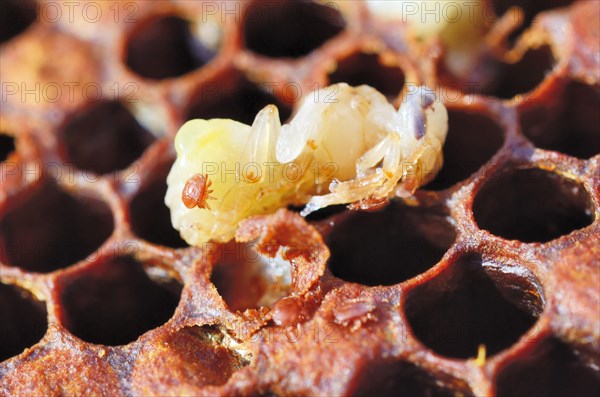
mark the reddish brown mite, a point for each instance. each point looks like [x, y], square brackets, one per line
[287, 311]
[196, 192]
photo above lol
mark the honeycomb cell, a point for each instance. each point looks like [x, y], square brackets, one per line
[116, 302]
[473, 139]
[532, 205]
[388, 246]
[573, 128]
[365, 68]
[164, 47]
[233, 97]
[551, 370]
[523, 76]
[506, 80]
[7, 146]
[401, 379]
[473, 303]
[195, 356]
[289, 29]
[22, 321]
[15, 17]
[530, 10]
[51, 228]
[104, 138]
[150, 217]
[247, 280]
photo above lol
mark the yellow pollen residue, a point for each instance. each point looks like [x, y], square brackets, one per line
[481, 356]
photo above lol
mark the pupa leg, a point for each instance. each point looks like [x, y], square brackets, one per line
[391, 161]
[345, 192]
[260, 146]
[378, 184]
[372, 157]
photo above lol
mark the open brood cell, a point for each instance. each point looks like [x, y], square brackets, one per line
[49, 227]
[537, 205]
[165, 47]
[368, 68]
[22, 320]
[552, 368]
[115, 302]
[104, 137]
[474, 302]
[15, 18]
[569, 125]
[529, 11]
[505, 79]
[401, 379]
[388, 246]
[289, 29]
[474, 137]
[232, 95]
[7, 146]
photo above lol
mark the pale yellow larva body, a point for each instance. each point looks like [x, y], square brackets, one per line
[343, 145]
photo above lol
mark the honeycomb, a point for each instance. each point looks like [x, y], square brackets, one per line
[487, 283]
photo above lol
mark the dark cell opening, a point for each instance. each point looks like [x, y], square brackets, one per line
[104, 138]
[7, 146]
[532, 205]
[150, 217]
[530, 8]
[51, 229]
[289, 29]
[389, 246]
[364, 68]
[401, 379]
[117, 302]
[551, 370]
[523, 76]
[470, 304]
[22, 321]
[233, 98]
[504, 80]
[473, 139]
[572, 128]
[15, 17]
[164, 47]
